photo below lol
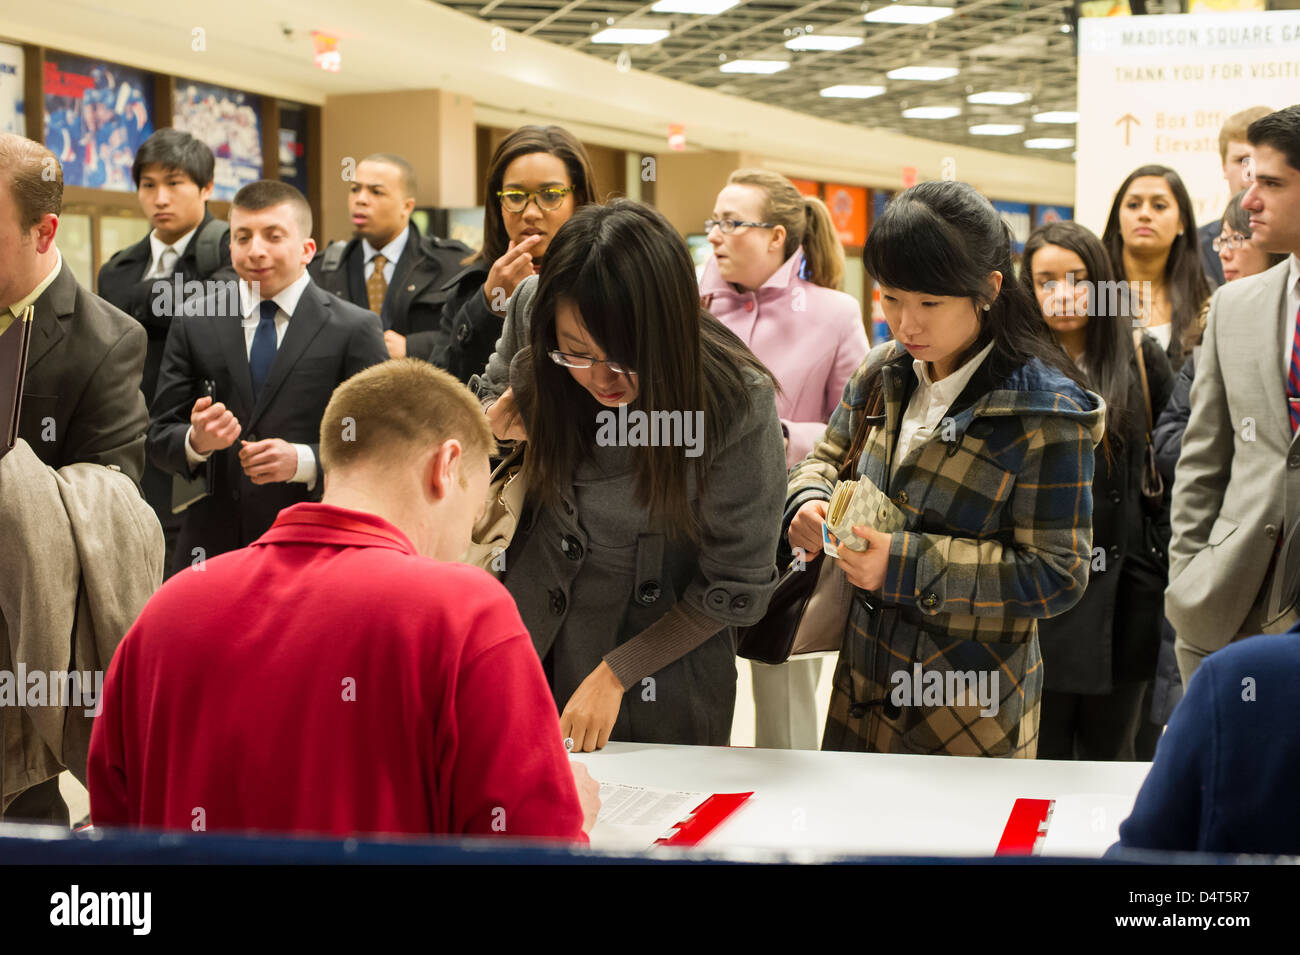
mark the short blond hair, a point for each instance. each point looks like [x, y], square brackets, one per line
[397, 408]
[34, 177]
[1234, 128]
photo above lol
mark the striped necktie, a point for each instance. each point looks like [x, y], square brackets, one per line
[1293, 378]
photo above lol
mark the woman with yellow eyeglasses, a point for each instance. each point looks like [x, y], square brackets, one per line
[536, 178]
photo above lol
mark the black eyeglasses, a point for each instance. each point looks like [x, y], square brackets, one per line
[582, 361]
[549, 199]
[729, 226]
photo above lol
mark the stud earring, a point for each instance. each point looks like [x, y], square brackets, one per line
[987, 307]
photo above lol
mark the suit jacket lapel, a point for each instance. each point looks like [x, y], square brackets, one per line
[1268, 302]
[234, 348]
[307, 320]
[55, 302]
[403, 276]
[355, 262]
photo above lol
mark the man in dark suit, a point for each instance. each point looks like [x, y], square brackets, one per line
[273, 346]
[81, 401]
[1234, 153]
[387, 266]
[173, 174]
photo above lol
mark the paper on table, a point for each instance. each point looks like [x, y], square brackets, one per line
[1085, 824]
[633, 817]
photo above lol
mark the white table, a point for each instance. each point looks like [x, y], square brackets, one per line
[868, 803]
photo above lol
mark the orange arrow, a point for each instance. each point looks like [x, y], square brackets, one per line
[1128, 119]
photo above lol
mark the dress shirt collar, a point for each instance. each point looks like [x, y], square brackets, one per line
[1293, 276]
[287, 299]
[158, 245]
[30, 298]
[946, 390]
[391, 252]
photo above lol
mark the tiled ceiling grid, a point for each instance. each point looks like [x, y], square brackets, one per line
[998, 45]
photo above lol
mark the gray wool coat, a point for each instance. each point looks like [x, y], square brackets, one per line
[591, 573]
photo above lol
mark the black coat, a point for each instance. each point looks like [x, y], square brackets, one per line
[470, 329]
[1087, 649]
[1210, 261]
[151, 302]
[121, 282]
[1168, 435]
[418, 293]
[82, 400]
[326, 342]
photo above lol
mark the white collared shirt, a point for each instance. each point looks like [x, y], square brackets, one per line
[250, 307]
[391, 253]
[159, 247]
[930, 402]
[1290, 306]
[30, 298]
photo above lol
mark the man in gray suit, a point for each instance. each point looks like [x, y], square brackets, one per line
[1234, 561]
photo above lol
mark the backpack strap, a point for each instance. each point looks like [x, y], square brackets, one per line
[334, 256]
[207, 246]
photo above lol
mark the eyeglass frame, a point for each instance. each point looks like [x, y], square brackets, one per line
[567, 360]
[735, 224]
[533, 195]
[1218, 242]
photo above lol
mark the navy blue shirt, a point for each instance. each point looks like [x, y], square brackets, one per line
[1226, 775]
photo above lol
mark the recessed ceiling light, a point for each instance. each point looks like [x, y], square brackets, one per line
[822, 41]
[907, 13]
[1057, 116]
[927, 74]
[1048, 142]
[627, 35]
[754, 66]
[932, 112]
[996, 129]
[998, 98]
[705, 8]
[849, 91]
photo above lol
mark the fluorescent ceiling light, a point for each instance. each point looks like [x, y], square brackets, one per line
[1057, 116]
[996, 129]
[928, 74]
[849, 91]
[932, 112]
[1048, 142]
[705, 8]
[754, 66]
[998, 98]
[626, 35]
[822, 41]
[907, 13]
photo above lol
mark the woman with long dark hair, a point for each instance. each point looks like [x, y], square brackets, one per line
[656, 470]
[1151, 239]
[981, 432]
[536, 178]
[1100, 655]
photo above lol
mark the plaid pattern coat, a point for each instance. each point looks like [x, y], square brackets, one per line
[998, 505]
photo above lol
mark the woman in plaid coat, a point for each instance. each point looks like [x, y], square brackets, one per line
[977, 426]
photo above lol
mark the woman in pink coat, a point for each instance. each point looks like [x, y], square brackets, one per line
[774, 280]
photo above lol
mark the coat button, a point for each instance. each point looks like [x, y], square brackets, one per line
[1270, 530]
[648, 592]
[1114, 552]
[558, 603]
[571, 546]
[251, 437]
[1114, 496]
[234, 495]
[716, 598]
[930, 601]
[741, 603]
[901, 499]
[1293, 461]
[462, 333]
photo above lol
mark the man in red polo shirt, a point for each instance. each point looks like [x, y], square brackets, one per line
[341, 674]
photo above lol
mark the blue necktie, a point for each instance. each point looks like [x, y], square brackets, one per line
[262, 355]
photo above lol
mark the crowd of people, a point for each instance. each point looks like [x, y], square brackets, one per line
[1090, 449]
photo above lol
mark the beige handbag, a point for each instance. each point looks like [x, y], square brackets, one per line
[496, 528]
